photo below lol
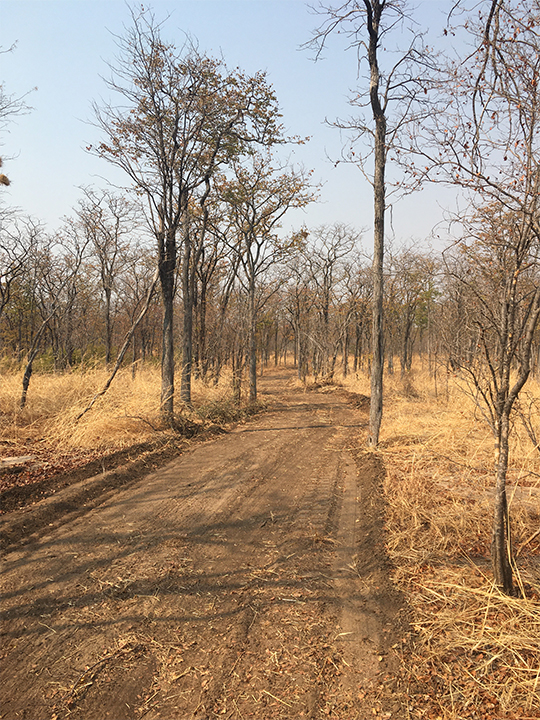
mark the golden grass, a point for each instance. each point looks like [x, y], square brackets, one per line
[127, 414]
[477, 648]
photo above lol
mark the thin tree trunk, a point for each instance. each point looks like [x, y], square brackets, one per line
[501, 550]
[32, 354]
[346, 353]
[203, 358]
[237, 370]
[187, 331]
[108, 327]
[130, 335]
[374, 11]
[252, 345]
[167, 268]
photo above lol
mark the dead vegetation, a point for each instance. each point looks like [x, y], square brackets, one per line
[48, 439]
[474, 652]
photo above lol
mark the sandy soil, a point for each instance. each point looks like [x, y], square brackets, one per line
[245, 579]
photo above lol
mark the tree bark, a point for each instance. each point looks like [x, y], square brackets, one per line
[167, 268]
[187, 332]
[501, 550]
[252, 344]
[374, 12]
[376, 405]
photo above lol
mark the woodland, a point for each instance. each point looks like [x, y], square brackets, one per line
[152, 312]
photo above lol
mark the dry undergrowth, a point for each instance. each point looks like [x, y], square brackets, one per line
[126, 415]
[476, 652]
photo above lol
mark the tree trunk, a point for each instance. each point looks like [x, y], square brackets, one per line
[203, 357]
[32, 354]
[357, 346]
[27, 375]
[252, 344]
[167, 268]
[346, 353]
[376, 404]
[108, 327]
[501, 548]
[390, 360]
[375, 10]
[237, 368]
[187, 330]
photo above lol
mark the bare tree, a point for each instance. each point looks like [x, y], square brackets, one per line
[257, 198]
[487, 144]
[108, 221]
[410, 283]
[328, 248]
[299, 299]
[499, 271]
[10, 106]
[182, 116]
[397, 96]
[57, 279]
[19, 239]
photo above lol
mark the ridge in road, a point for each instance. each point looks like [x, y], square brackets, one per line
[245, 579]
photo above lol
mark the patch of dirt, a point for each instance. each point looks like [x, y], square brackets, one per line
[58, 498]
[247, 578]
[44, 474]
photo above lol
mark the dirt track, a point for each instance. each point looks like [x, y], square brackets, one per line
[245, 579]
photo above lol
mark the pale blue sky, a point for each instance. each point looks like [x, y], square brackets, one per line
[63, 47]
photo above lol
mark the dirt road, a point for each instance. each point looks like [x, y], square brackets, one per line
[245, 579]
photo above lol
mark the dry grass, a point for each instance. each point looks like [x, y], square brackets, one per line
[476, 649]
[476, 652]
[126, 415]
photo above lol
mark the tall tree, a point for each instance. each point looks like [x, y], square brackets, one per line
[257, 197]
[486, 142]
[397, 96]
[325, 256]
[183, 115]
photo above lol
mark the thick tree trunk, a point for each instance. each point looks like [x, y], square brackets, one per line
[374, 10]
[27, 375]
[167, 358]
